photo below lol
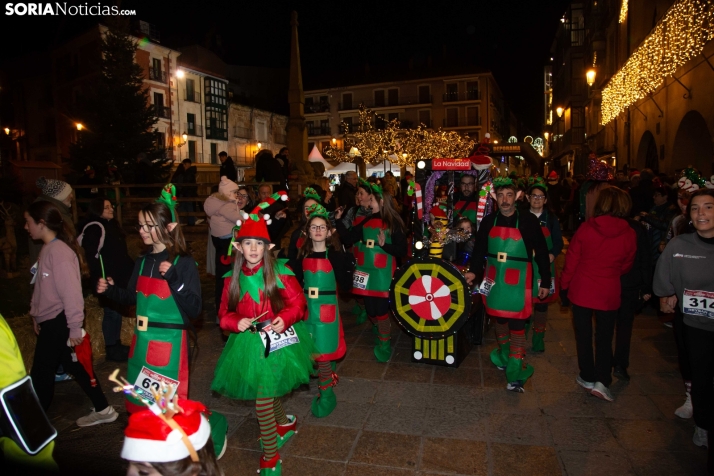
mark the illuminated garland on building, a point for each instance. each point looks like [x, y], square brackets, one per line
[623, 11]
[680, 36]
[400, 146]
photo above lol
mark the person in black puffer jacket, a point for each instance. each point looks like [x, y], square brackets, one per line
[101, 235]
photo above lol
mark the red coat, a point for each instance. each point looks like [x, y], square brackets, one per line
[292, 296]
[602, 250]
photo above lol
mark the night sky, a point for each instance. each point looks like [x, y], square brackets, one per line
[512, 38]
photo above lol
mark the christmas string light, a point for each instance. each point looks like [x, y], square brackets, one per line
[400, 146]
[680, 36]
[623, 11]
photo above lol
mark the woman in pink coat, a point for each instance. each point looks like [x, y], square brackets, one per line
[601, 251]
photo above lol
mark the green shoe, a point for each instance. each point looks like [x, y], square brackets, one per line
[219, 433]
[383, 350]
[499, 356]
[517, 371]
[272, 467]
[324, 402]
[361, 314]
[538, 344]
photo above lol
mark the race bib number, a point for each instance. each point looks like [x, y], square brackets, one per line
[148, 379]
[360, 280]
[278, 341]
[698, 303]
[485, 286]
[552, 286]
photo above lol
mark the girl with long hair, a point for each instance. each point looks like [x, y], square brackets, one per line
[57, 309]
[379, 241]
[299, 236]
[321, 266]
[269, 351]
[684, 280]
[166, 290]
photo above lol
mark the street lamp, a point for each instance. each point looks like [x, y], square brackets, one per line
[180, 73]
[559, 111]
[260, 145]
[79, 126]
[184, 136]
[7, 131]
[546, 134]
[590, 75]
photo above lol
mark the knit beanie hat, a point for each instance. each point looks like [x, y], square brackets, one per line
[57, 189]
[227, 185]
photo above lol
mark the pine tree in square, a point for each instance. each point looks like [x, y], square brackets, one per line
[119, 121]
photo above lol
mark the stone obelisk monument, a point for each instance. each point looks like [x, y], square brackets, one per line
[297, 132]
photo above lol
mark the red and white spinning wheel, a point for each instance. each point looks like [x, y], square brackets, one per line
[429, 297]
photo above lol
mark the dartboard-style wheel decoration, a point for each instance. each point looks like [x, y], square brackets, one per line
[430, 298]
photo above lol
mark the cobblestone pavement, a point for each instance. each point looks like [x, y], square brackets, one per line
[402, 418]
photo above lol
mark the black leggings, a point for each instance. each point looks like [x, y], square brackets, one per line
[376, 306]
[685, 368]
[700, 346]
[513, 324]
[221, 245]
[50, 352]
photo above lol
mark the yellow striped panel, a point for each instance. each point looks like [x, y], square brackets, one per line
[441, 349]
[417, 343]
[434, 346]
[450, 344]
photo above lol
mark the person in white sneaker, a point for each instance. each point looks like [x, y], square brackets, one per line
[57, 308]
[684, 276]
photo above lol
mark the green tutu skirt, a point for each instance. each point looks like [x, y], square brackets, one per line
[244, 373]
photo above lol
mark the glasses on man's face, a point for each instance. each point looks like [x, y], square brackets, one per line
[537, 197]
[467, 184]
[243, 196]
[146, 228]
[318, 228]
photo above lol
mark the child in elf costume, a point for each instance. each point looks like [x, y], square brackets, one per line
[320, 269]
[549, 224]
[298, 237]
[379, 240]
[169, 437]
[269, 351]
[166, 290]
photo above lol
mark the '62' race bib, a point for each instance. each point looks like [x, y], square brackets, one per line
[148, 380]
[698, 303]
[360, 280]
[278, 341]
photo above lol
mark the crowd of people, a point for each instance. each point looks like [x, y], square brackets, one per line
[280, 310]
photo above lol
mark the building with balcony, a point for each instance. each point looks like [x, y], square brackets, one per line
[202, 105]
[651, 101]
[211, 116]
[471, 103]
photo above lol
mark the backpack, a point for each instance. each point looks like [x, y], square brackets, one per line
[101, 238]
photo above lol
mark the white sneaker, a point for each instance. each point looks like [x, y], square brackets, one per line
[107, 415]
[584, 383]
[700, 437]
[601, 391]
[686, 410]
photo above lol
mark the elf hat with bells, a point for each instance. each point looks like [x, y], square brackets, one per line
[255, 224]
